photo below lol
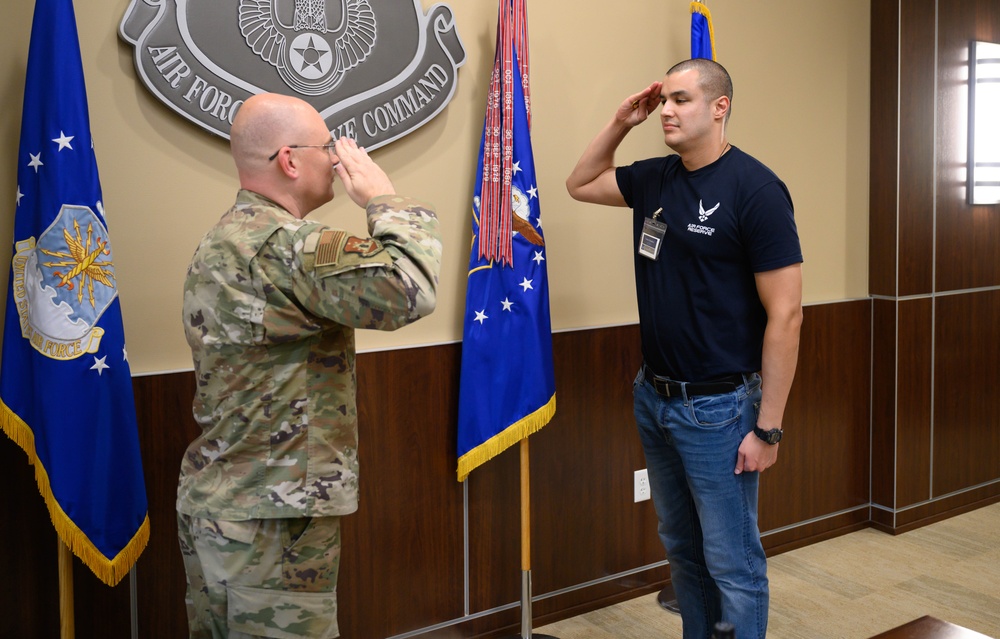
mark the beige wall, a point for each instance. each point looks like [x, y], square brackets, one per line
[801, 106]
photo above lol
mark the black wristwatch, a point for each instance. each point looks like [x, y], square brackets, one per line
[772, 436]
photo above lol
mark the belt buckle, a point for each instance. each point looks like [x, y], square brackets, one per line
[664, 385]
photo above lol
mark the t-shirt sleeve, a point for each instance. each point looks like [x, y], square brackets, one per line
[768, 226]
[624, 176]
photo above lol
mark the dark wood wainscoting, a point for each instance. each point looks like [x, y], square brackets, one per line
[933, 267]
[404, 568]
[966, 402]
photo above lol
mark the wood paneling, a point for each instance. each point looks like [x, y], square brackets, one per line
[966, 401]
[582, 502]
[913, 401]
[883, 159]
[883, 419]
[403, 567]
[593, 425]
[946, 507]
[804, 534]
[916, 147]
[826, 421]
[968, 237]
[27, 551]
[494, 531]
[166, 427]
[583, 467]
[935, 446]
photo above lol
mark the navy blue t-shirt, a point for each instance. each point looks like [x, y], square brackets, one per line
[700, 315]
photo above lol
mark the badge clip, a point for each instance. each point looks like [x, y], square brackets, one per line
[653, 231]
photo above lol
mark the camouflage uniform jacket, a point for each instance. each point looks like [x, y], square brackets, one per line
[270, 307]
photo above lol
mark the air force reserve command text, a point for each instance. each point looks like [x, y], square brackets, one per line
[212, 100]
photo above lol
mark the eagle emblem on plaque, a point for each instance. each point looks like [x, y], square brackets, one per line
[374, 69]
[311, 53]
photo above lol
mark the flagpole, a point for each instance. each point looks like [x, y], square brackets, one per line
[488, 422]
[526, 548]
[67, 628]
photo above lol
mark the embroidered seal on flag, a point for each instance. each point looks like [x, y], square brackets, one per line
[374, 69]
[63, 283]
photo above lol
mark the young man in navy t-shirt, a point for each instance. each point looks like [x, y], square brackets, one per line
[719, 285]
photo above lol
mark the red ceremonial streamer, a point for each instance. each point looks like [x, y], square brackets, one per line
[495, 203]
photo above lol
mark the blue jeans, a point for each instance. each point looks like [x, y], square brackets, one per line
[707, 513]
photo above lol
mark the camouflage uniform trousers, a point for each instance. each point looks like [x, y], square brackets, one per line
[261, 578]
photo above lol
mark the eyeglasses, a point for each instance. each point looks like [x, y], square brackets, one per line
[328, 146]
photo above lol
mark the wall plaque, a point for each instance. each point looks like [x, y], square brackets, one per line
[374, 69]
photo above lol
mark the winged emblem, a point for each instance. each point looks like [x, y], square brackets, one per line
[703, 214]
[311, 56]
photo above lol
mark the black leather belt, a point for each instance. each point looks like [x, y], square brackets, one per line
[670, 388]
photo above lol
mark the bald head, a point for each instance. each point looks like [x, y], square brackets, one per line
[266, 122]
[274, 142]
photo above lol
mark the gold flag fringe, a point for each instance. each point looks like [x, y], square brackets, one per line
[110, 571]
[702, 8]
[506, 438]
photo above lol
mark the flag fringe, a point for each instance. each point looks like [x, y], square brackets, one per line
[702, 8]
[527, 425]
[110, 571]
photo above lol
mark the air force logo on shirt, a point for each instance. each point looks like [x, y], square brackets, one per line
[703, 216]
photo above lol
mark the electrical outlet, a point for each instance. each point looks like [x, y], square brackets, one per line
[641, 485]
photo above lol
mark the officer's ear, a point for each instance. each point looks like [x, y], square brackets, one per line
[287, 162]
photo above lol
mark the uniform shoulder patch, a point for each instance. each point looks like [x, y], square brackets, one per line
[329, 246]
[364, 246]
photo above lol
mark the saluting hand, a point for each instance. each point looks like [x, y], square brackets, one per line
[362, 178]
[637, 107]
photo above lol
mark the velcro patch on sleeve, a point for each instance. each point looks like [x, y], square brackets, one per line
[329, 246]
[363, 246]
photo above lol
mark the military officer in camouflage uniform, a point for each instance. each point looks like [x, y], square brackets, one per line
[271, 302]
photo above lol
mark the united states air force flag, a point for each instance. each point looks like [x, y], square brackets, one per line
[507, 388]
[702, 32]
[65, 384]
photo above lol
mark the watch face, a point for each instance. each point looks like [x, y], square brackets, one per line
[770, 436]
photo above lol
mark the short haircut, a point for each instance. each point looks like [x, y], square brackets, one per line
[713, 78]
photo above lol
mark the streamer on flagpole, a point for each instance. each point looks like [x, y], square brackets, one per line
[495, 208]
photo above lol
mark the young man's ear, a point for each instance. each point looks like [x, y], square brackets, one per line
[721, 107]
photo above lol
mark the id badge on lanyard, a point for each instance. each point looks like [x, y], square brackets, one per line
[651, 240]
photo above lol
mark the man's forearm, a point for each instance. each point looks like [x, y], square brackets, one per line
[779, 358]
[597, 159]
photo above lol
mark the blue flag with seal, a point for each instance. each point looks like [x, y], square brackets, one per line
[507, 387]
[702, 33]
[65, 384]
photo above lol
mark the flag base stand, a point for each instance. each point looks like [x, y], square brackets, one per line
[526, 549]
[526, 611]
[667, 601]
